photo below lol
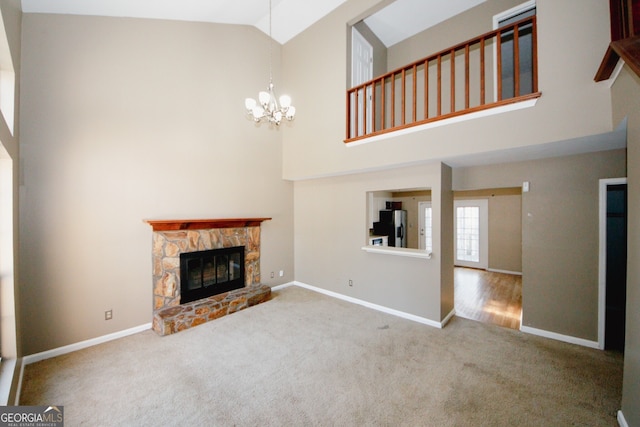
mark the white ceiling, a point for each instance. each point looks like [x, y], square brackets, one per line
[289, 17]
[415, 16]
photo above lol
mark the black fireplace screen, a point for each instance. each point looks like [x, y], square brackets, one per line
[210, 272]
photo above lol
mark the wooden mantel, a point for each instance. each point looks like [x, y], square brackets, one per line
[201, 224]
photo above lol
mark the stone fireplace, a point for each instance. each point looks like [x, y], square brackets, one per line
[171, 238]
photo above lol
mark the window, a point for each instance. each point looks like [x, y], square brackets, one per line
[468, 233]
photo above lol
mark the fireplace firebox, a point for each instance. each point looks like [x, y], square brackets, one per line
[211, 272]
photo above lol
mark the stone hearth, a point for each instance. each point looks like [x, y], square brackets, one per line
[175, 319]
[173, 237]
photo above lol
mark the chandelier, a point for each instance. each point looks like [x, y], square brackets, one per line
[267, 108]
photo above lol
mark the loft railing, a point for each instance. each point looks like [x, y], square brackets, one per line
[494, 69]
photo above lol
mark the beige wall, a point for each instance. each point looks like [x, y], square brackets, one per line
[127, 119]
[626, 103]
[559, 235]
[505, 233]
[331, 228]
[571, 42]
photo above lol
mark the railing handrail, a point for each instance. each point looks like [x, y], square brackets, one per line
[444, 52]
[372, 119]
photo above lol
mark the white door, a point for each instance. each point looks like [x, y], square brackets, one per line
[361, 71]
[471, 225]
[425, 238]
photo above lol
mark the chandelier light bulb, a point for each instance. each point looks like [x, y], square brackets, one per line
[258, 113]
[249, 103]
[291, 113]
[285, 101]
[264, 98]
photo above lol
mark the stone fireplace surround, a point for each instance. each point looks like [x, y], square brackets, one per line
[173, 237]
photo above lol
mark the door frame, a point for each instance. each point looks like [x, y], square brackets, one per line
[483, 262]
[358, 38]
[421, 224]
[602, 253]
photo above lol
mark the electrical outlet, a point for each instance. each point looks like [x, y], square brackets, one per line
[281, 273]
[108, 315]
[350, 282]
[272, 275]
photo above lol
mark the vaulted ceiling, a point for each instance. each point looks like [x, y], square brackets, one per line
[289, 17]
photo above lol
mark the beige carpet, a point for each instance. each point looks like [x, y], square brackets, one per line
[307, 359]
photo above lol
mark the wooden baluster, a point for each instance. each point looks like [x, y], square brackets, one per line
[482, 72]
[499, 63]
[426, 89]
[404, 96]
[534, 51]
[348, 114]
[357, 115]
[373, 106]
[516, 62]
[383, 109]
[365, 99]
[393, 100]
[439, 85]
[453, 80]
[466, 77]
[415, 92]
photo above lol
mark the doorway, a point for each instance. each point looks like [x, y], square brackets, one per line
[361, 72]
[612, 264]
[471, 236]
[488, 255]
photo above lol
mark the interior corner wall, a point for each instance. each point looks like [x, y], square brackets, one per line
[331, 229]
[446, 255]
[129, 119]
[626, 103]
[559, 235]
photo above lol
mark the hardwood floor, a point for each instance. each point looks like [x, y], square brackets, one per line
[488, 297]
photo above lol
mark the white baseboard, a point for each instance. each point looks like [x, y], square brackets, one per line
[495, 270]
[32, 358]
[377, 307]
[560, 337]
[284, 285]
[622, 422]
[447, 318]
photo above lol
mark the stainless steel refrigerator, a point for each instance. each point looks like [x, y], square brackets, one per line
[393, 223]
